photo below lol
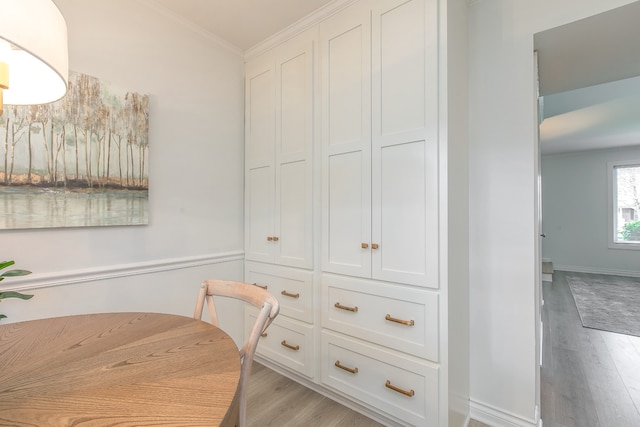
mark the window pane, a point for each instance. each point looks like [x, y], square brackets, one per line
[627, 180]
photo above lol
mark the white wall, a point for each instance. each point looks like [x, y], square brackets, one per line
[454, 214]
[502, 203]
[196, 172]
[575, 213]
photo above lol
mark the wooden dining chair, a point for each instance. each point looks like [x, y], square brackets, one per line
[254, 295]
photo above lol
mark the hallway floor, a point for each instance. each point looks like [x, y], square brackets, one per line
[589, 378]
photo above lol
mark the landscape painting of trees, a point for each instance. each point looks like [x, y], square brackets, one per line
[80, 161]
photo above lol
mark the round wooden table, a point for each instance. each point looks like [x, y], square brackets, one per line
[124, 369]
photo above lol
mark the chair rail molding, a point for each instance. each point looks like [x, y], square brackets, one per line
[62, 278]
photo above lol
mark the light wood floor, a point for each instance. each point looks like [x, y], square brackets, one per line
[275, 400]
[589, 378]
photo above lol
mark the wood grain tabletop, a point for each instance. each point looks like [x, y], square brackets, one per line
[116, 369]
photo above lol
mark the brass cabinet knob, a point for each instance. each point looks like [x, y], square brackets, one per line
[365, 245]
[374, 246]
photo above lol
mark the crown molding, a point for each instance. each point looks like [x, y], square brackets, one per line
[298, 27]
[192, 27]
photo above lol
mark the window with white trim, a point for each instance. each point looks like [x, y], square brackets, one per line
[625, 207]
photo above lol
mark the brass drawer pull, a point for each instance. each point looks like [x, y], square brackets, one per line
[344, 307]
[260, 286]
[345, 368]
[275, 239]
[287, 294]
[292, 347]
[409, 393]
[374, 246]
[404, 322]
[269, 239]
[364, 245]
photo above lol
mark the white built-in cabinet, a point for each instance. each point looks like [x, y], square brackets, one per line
[344, 211]
[279, 132]
[380, 206]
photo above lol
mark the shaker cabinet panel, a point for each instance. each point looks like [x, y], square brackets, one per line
[399, 386]
[399, 66]
[397, 317]
[291, 286]
[346, 81]
[260, 112]
[404, 71]
[286, 342]
[348, 215]
[293, 215]
[259, 208]
[405, 214]
[295, 92]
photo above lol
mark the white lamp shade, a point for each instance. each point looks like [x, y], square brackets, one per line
[36, 52]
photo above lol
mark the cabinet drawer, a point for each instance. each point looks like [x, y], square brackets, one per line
[287, 342]
[394, 384]
[292, 288]
[394, 316]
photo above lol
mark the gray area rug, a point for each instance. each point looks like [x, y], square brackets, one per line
[608, 304]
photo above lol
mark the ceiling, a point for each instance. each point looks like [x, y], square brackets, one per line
[242, 23]
[588, 69]
[589, 82]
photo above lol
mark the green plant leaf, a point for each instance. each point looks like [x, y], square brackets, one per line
[12, 294]
[5, 264]
[13, 273]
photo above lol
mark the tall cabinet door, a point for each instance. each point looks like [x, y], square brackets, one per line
[345, 43]
[293, 155]
[404, 142]
[259, 158]
[278, 152]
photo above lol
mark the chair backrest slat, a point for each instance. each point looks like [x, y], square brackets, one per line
[254, 295]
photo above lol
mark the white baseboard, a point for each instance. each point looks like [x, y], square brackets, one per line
[609, 271]
[496, 417]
